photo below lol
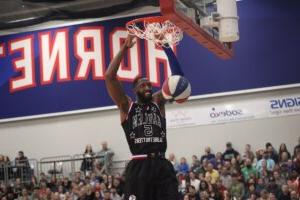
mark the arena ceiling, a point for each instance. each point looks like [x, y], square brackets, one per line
[21, 13]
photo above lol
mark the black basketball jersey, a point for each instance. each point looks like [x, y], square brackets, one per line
[145, 129]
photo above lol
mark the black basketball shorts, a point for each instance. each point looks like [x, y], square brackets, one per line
[151, 179]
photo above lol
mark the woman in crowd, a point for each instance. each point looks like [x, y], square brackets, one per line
[88, 160]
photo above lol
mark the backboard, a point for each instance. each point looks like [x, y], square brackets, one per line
[213, 23]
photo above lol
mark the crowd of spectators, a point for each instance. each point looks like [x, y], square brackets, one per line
[100, 161]
[263, 174]
[18, 168]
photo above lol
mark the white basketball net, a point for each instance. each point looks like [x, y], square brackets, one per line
[161, 33]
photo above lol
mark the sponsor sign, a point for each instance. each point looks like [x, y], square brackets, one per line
[234, 111]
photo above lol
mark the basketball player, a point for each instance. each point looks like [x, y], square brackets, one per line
[149, 176]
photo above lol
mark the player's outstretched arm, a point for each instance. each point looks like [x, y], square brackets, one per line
[175, 69]
[113, 85]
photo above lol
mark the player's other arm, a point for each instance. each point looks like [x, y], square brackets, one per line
[174, 63]
[113, 85]
[175, 69]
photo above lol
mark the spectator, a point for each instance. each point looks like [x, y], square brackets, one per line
[33, 183]
[43, 177]
[172, 159]
[106, 195]
[110, 179]
[284, 193]
[296, 163]
[272, 154]
[269, 162]
[268, 144]
[82, 194]
[250, 190]
[226, 177]
[204, 195]
[272, 187]
[54, 196]
[98, 168]
[105, 179]
[252, 197]
[207, 154]
[77, 178]
[212, 173]
[249, 153]
[118, 184]
[264, 195]
[217, 161]
[192, 193]
[259, 154]
[194, 181]
[2, 168]
[35, 194]
[24, 195]
[260, 185]
[53, 184]
[18, 186]
[203, 186]
[293, 180]
[220, 189]
[88, 160]
[114, 194]
[279, 179]
[203, 166]
[214, 193]
[284, 158]
[90, 195]
[107, 157]
[183, 167]
[98, 196]
[294, 195]
[264, 173]
[282, 149]
[229, 152]
[43, 189]
[237, 189]
[297, 148]
[23, 167]
[4, 163]
[182, 184]
[226, 195]
[195, 167]
[248, 170]
[66, 184]
[186, 197]
[272, 196]
[235, 164]
[61, 190]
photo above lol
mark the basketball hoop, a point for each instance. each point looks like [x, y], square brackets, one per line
[157, 29]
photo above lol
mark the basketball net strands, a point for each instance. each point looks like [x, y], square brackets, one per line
[158, 29]
[212, 23]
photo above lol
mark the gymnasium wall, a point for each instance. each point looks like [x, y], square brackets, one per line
[69, 134]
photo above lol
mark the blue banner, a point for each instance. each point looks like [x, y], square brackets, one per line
[62, 69]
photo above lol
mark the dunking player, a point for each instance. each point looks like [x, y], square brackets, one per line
[149, 176]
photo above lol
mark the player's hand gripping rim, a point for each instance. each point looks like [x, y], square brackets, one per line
[130, 41]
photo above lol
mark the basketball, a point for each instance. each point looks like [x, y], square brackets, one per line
[177, 88]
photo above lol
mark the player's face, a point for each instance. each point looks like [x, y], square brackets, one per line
[143, 90]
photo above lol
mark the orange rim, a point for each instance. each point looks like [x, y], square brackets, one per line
[158, 19]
